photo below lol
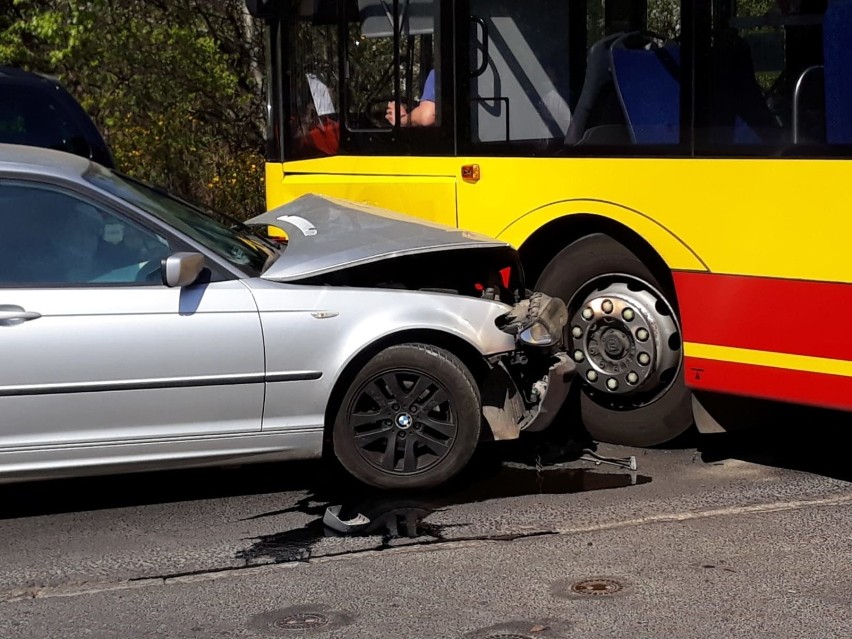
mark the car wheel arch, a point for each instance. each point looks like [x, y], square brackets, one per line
[469, 355]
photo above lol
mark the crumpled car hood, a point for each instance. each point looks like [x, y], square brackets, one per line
[326, 235]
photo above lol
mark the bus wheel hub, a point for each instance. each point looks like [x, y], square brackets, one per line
[624, 336]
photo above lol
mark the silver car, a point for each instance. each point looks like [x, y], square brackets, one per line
[138, 332]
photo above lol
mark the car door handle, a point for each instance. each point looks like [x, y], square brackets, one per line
[22, 315]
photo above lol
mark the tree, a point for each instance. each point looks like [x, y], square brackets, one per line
[175, 86]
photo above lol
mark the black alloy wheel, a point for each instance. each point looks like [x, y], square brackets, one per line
[410, 419]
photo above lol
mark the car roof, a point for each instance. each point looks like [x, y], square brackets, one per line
[16, 158]
[21, 76]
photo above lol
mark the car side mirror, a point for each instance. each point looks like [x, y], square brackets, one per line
[182, 269]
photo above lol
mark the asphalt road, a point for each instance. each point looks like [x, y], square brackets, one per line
[744, 535]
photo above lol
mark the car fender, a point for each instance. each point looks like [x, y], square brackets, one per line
[315, 332]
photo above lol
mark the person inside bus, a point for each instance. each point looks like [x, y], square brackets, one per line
[423, 114]
[317, 130]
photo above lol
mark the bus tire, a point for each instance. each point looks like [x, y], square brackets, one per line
[650, 404]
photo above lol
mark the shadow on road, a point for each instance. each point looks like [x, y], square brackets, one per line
[793, 437]
[139, 489]
[323, 480]
[796, 438]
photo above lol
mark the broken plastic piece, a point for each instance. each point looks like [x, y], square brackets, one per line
[332, 519]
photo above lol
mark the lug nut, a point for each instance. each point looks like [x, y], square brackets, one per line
[632, 377]
[612, 383]
[413, 409]
[588, 313]
[607, 306]
[402, 435]
[592, 376]
[394, 406]
[577, 332]
[628, 314]
[644, 359]
[642, 334]
[417, 426]
[579, 356]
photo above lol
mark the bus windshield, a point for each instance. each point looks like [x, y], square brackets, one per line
[388, 72]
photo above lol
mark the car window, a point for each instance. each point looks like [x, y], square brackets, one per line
[49, 237]
[230, 239]
[29, 116]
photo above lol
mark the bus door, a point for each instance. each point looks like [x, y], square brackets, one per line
[358, 76]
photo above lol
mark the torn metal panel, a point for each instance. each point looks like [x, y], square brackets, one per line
[508, 412]
[502, 404]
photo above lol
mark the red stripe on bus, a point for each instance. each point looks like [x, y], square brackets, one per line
[796, 387]
[766, 314]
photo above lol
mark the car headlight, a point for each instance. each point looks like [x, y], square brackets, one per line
[536, 321]
[538, 335]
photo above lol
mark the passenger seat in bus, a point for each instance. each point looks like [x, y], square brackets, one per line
[645, 77]
[598, 117]
[647, 81]
[631, 94]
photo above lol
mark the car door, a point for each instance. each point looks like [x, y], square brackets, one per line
[95, 348]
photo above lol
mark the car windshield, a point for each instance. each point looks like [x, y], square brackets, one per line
[241, 245]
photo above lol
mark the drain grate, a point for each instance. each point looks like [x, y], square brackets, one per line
[301, 621]
[596, 587]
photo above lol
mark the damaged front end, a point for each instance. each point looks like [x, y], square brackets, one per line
[525, 389]
[339, 243]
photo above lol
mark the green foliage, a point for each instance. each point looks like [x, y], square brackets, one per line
[174, 85]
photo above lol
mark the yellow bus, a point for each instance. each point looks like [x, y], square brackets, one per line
[677, 171]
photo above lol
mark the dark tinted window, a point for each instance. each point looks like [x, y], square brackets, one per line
[778, 79]
[49, 238]
[29, 115]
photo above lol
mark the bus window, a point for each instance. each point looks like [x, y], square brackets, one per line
[778, 78]
[312, 70]
[520, 71]
[550, 75]
[373, 75]
[395, 72]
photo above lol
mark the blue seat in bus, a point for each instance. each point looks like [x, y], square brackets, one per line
[648, 85]
[837, 34]
[598, 117]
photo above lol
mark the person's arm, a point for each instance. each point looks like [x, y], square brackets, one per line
[422, 115]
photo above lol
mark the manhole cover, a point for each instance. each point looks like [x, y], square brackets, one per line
[596, 587]
[301, 621]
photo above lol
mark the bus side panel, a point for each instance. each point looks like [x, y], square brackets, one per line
[763, 337]
[423, 188]
[770, 218]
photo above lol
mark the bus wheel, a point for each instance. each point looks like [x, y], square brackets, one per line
[625, 338]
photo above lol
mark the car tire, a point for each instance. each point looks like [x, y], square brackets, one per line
[585, 274]
[410, 419]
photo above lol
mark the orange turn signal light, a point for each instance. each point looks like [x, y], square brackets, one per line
[470, 172]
